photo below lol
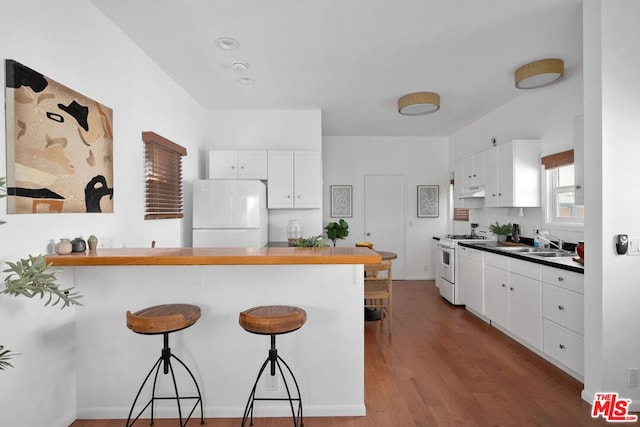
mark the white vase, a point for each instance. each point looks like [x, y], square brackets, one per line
[63, 247]
[502, 237]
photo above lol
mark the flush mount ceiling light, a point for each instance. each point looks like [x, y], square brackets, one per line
[539, 73]
[239, 67]
[227, 43]
[418, 103]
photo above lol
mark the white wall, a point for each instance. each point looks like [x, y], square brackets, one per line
[546, 114]
[612, 107]
[268, 130]
[74, 44]
[422, 160]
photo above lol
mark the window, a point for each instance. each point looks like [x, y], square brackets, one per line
[561, 207]
[163, 177]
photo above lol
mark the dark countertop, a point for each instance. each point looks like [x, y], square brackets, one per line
[564, 263]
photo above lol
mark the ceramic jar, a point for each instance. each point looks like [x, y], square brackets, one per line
[78, 245]
[580, 249]
[93, 243]
[63, 247]
[294, 231]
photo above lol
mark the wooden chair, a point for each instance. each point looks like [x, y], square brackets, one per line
[378, 289]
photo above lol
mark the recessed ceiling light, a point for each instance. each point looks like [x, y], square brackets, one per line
[239, 67]
[227, 43]
[246, 80]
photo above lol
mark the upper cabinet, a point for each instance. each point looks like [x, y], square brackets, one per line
[513, 174]
[294, 179]
[226, 164]
[474, 172]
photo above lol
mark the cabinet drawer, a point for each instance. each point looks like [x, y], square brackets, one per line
[563, 278]
[563, 307]
[499, 261]
[565, 346]
[525, 268]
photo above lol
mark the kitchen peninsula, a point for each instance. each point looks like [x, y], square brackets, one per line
[327, 354]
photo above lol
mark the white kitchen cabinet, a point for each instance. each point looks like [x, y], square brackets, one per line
[525, 309]
[471, 279]
[460, 192]
[496, 302]
[474, 172]
[563, 311]
[512, 176]
[294, 179]
[229, 164]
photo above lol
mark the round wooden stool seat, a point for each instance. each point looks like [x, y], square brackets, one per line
[162, 319]
[272, 319]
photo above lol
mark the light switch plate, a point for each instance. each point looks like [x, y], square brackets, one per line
[634, 246]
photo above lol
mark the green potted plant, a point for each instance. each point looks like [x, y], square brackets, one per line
[501, 230]
[33, 277]
[337, 230]
[310, 242]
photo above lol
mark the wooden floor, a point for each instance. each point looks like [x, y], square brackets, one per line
[443, 367]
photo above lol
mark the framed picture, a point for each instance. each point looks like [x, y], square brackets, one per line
[428, 201]
[341, 201]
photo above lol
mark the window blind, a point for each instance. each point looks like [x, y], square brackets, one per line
[558, 159]
[460, 214]
[163, 177]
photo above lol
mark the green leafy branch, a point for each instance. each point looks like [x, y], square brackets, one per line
[310, 242]
[5, 356]
[32, 277]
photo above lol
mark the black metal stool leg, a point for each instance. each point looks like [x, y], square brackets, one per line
[274, 360]
[165, 361]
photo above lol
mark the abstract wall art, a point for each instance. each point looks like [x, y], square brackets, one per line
[428, 201]
[341, 202]
[59, 146]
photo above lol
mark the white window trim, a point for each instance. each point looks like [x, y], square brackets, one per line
[546, 209]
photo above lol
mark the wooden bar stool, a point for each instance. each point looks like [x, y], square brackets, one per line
[165, 319]
[274, 320]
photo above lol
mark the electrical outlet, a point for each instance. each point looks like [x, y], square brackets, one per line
[272, 383]
[633, 377]
[634, 245]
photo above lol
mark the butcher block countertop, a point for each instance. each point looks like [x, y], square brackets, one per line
[217, 256]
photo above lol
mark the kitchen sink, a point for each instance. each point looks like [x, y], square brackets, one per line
[554, 254]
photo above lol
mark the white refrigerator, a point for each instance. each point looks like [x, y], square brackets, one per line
[229, 214]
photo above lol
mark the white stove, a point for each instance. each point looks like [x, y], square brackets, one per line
[447, 267]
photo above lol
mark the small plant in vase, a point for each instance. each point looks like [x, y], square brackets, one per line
[337, 230]
[33, 277]
[501, 230]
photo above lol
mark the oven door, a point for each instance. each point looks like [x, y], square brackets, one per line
[445, 264]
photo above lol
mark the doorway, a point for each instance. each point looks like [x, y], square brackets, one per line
[384, 216]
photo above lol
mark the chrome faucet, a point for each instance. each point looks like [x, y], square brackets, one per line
[558, 245]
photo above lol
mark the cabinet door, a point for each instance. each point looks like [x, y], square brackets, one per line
[525, 309]
[280, 179]
[491, 178]
[505, 175]
[496, 297]
[223, 164]
[471, 280]
[307, 179]
[467, 163]
[477, 163]
[252, 164]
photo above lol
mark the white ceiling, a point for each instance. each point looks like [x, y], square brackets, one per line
[353, 58]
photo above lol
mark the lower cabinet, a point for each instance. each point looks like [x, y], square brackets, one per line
[540, 306]
[525, 309]
[496, 290]
[563, 311]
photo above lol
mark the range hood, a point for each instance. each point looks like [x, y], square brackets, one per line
[472, 193]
